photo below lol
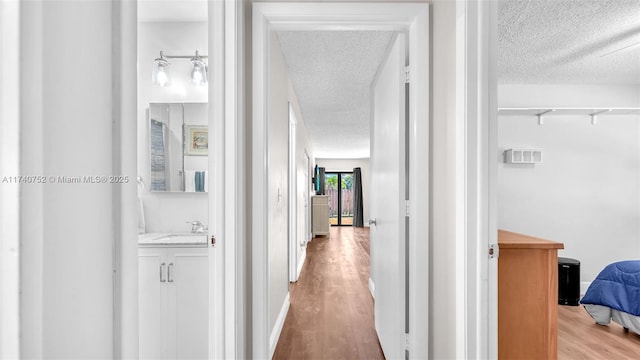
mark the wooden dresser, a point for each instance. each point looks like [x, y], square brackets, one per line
[527, 297]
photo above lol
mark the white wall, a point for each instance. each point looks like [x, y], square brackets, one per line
[168, 212]
[586, 192]
[348, 165]
[9, 166]
[569, 95]
[67, 233]
[281, 93]
[278, 165]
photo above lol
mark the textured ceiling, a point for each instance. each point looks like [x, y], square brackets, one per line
[332, 72]
[569, 41]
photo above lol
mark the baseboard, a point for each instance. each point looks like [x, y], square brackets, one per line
[584, 285]
[301, 261]
[277, 328]
[372, 288]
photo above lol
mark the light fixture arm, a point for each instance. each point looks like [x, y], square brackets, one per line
[163, 55]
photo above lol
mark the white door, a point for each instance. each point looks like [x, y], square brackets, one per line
[152, 292]
[187, 280]
[388, 202]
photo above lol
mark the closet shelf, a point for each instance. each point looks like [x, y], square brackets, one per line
[553, 111]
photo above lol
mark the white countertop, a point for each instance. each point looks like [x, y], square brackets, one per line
[172, 239]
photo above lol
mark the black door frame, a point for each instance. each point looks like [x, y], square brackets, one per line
[339, 174]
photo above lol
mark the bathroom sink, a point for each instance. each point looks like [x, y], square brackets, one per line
[187, 238]
[168, 238]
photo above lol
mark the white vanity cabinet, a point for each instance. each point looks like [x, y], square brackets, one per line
[173, 302]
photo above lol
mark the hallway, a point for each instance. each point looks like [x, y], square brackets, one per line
[331, 313]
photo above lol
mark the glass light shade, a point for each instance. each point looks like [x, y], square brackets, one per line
[160, 74]
[198, 72]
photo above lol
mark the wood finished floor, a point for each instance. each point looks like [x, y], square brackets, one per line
[579, 337]
[331, 313]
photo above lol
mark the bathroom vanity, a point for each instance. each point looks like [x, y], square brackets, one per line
[173, 296]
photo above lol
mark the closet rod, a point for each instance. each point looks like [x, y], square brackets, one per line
[553, 111]
[558, 110]
[592, 112]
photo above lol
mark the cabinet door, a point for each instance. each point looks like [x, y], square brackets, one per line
[152, 267]
[188, 303]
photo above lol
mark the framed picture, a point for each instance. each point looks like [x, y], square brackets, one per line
[196, 140]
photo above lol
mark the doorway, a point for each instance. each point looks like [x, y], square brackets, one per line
[409, 18]
[339, 187]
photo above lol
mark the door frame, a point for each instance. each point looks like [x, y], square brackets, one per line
[339, 195]
[307, 217]
[476, 153]
[293, 196]
[412, 18]
[227, 209]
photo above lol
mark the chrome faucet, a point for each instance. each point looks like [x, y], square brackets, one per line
[197, 227]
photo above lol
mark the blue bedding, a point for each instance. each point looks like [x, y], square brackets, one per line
[617, 286]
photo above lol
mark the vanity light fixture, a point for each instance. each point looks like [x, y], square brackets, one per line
[160, 74]
[198, 70]
[198, 73]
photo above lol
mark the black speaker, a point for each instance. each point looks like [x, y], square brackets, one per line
[568, 281]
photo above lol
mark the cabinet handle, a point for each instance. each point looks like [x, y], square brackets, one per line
[169, 272]
[161, 272]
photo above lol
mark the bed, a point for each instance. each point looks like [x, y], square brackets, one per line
[615, 295]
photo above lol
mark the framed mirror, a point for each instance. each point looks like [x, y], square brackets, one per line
[178, 147]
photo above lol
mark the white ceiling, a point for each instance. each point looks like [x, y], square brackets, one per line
[332, 72]
[569, 41]
[172, 10]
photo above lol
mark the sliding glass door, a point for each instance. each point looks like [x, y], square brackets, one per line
[339, 187]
